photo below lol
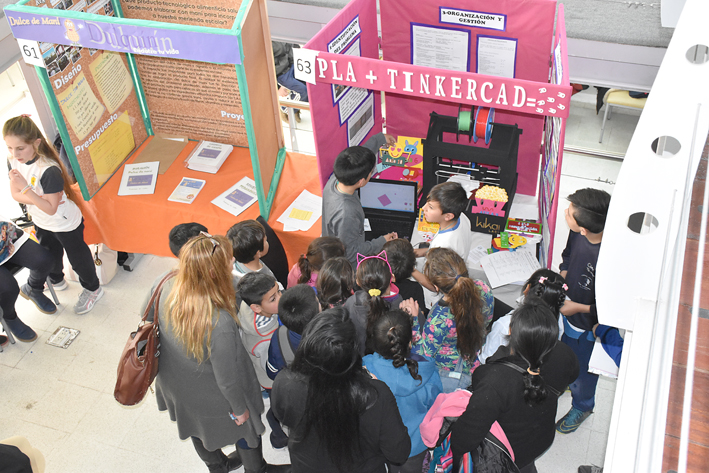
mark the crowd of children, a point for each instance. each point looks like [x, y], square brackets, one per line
[353, 312]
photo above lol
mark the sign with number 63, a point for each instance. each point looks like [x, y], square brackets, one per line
[304, 64]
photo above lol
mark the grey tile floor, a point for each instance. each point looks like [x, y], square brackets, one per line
[62, 400]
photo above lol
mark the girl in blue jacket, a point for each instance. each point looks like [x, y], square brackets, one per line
[413, 379]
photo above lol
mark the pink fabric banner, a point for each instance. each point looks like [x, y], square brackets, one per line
[529, 23]
[341, 113]
[538, 98]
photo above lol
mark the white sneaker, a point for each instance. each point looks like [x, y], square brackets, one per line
[87, 300]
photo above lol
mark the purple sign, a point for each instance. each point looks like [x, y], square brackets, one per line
[140, 180]
[121, 36]
[209, 153]
[239, 197]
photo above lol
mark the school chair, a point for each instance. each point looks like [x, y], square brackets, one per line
[621, 99]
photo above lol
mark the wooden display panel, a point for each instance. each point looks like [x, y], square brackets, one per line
[198, 99]
[261, 80]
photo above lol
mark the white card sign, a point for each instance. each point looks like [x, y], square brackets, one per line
[30, 52]
[304, 62]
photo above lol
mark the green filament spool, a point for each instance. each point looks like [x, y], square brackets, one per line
[464, 120]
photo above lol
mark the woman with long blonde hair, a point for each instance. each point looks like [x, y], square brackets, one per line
[206, 380]
[456, 326]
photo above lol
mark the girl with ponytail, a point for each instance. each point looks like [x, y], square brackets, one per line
[306, 270]
[519, 388]
[38, 179]
[377, 296]
[456, 325]
[336, 282]
[413, 379]
[543, 284]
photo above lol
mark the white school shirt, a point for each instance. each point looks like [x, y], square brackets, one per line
[459, 238]
[67, 217]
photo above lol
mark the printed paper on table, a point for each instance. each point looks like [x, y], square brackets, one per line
[139, 179]
[305, 210]
[187, 190]
[238, 197]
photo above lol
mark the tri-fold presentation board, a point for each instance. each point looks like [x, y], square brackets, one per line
[438, 55]
[115, 72]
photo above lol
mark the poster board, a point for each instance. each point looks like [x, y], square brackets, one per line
[553, 150]
[347, 115]
[210, 92]
[177, 45]
[95, 95]
[528, 24]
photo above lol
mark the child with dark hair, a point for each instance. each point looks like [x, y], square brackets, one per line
[586, 218]
[456, 325]
[376, 297]
[180, 234]
[305, 271]
[445, 205]
[519, 388]
[250, 244]
[340, 419]
[336, 282]
[298, 305]
[258, 318]
[413, 379]
[402, 260]
[543, 284]
[342, 213]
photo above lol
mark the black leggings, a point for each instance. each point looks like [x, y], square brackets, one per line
[32, 256]
[217, 456]
[77, 251]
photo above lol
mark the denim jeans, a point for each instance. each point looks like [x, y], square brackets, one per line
[583, 390]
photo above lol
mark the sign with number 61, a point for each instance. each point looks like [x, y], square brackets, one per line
[31, 52]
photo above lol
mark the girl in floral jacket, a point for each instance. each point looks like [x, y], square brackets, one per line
[456, 324]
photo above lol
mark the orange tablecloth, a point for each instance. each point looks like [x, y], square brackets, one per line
[140, 224]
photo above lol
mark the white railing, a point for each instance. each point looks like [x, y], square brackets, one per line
[640, 265]
[292, 106]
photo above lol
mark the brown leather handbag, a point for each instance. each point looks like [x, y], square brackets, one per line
[138, 365]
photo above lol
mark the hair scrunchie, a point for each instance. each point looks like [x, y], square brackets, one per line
[374, 292]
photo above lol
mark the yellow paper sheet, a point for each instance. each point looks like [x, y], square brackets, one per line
[112, 147]
[300, 214]
[112, 79]
[80, 106]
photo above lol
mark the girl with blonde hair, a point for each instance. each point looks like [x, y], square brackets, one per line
[38, 179]
[206, 380]
[456, 326]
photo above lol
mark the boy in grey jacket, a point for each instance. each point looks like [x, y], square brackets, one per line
[342, 213]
